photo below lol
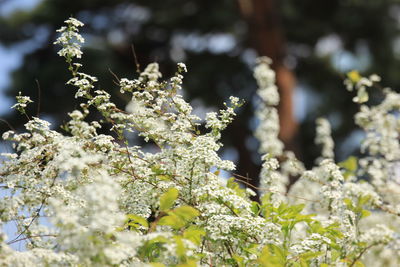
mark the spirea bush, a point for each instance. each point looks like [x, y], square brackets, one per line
[90, 199]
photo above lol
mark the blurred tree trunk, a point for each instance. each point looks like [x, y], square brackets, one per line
[267, 38]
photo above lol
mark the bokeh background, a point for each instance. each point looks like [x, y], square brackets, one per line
[313, 44]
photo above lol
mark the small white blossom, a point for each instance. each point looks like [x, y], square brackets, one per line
[22, 103]
[324, 138]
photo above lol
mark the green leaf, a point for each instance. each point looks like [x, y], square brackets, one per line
[136, 219]
[349, 164]
[189, 263]
[168, 199]
[365, 213]
[239, 260]
[364, 200]
[354, 76]
[179, 217]
[172, 220]
[232, 184]
[296, 209]
[156, 169]
[152, 249]
[271, 256]
[348, 202]
[194, 234]
[252, 249]
[359, 264]
[311, 255]
[255, 208]
[164, 177]
[187, 213]
[180, 247]
[159, 239]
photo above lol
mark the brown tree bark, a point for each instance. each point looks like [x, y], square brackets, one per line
[266, 36]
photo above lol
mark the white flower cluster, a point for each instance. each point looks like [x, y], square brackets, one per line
[89, 199]
[354, 80]
[381, 125]
[22, 103]
[335, 193]
[70, 39]
[313, 243]
[272, 181]
[323, 138]
[87, 223]
[268, 129]
[84, 82]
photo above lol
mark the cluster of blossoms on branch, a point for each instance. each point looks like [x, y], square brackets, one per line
[89, 199]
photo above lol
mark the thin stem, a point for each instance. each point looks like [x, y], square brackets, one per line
[360, 255]
[29, 237]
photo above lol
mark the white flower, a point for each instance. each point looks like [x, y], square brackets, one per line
[324, 138]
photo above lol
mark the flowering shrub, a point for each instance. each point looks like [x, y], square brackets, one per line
[89, 199]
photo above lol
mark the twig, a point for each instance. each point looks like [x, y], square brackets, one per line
[136, 59]
[8, 124]
[39, 98]
[115, 76]
[29, 237]
[269, 190]
[37, 215]
[29, 225]
[360, 255]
